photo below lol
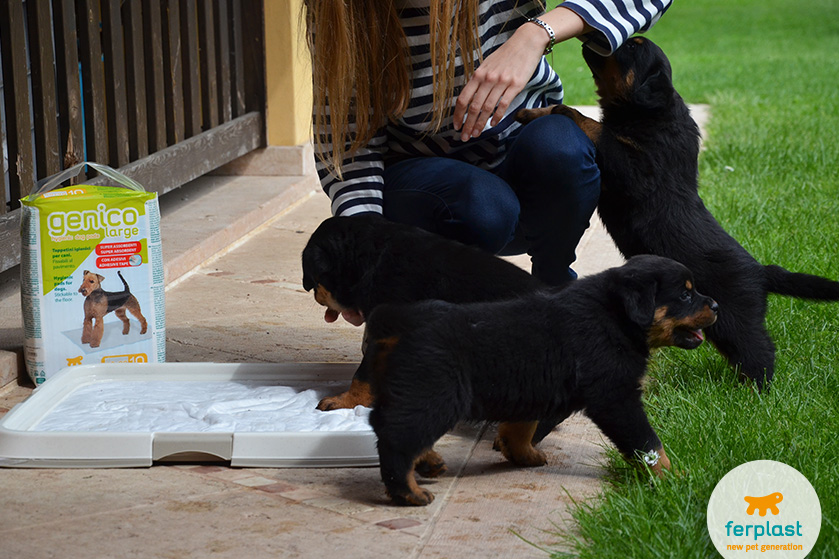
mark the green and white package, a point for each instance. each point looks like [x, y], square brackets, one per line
[92, 286]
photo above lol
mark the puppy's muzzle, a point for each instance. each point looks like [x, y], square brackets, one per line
[688, 334]
[683, 331]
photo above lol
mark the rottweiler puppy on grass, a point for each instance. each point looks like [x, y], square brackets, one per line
[647, 150]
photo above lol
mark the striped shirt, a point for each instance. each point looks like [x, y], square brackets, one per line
[360, 189]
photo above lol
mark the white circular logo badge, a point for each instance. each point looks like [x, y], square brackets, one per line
[764, 507]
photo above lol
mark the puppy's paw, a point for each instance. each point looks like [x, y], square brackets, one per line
[430, 465]
[333, 403]
[418, 498]
[565, 110]
[523, 456]
[358, 395]
[527, 115]
[532, 459]
[344, 401]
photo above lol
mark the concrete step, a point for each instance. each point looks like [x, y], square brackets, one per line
[213, 213]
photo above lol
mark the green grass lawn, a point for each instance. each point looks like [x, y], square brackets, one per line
[770, 174]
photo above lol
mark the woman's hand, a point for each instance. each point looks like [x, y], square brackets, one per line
[504, 73]
[498, 80]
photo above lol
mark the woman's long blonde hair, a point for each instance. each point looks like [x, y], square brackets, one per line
[361, 65]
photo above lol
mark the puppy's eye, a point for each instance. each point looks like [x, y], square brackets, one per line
[686, 297]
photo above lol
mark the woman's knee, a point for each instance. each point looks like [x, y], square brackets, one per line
[454, 199]
[553, 147]
[552, 163]
[554, 134]
[487, 214]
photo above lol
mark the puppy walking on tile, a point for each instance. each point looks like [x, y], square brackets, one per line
[536, 358]
[99, 302]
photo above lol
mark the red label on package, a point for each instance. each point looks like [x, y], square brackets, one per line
[113, 249]
[113, 261]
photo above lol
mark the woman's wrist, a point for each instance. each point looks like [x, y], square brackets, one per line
[548, 31]
[564, 24]
[534, 36]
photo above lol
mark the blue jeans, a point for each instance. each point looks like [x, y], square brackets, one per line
[538, 201]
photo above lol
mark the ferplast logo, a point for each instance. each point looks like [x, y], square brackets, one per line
[102, 221]
[762, 504]
[764, 507]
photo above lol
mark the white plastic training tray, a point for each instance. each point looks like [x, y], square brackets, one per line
[32, 435]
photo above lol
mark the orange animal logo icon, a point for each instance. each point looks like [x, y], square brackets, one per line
[762, 504]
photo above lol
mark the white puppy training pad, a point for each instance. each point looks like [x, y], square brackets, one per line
[130, 415]
[112, 336]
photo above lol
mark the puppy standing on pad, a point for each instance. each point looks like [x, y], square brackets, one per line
[354, 264]
[99, 302]
[539, 357]
[647, 150]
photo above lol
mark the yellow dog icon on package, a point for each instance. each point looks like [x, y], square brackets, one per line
[92, 285]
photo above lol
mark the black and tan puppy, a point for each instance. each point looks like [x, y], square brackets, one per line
[647, 150]
[354, 264]
[99, 302]
[540, 356]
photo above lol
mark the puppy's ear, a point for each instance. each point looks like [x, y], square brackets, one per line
[639, 301]
[656, 90]
[310, 260]
[315, 265]
[308, 282]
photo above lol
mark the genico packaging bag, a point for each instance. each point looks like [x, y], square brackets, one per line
[92, 285]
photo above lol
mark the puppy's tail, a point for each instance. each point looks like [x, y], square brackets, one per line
[125, 283]
[802, 286]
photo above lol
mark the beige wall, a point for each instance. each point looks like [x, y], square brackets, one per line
[288, 75]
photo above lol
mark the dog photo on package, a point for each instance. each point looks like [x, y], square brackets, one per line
[91, 278]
